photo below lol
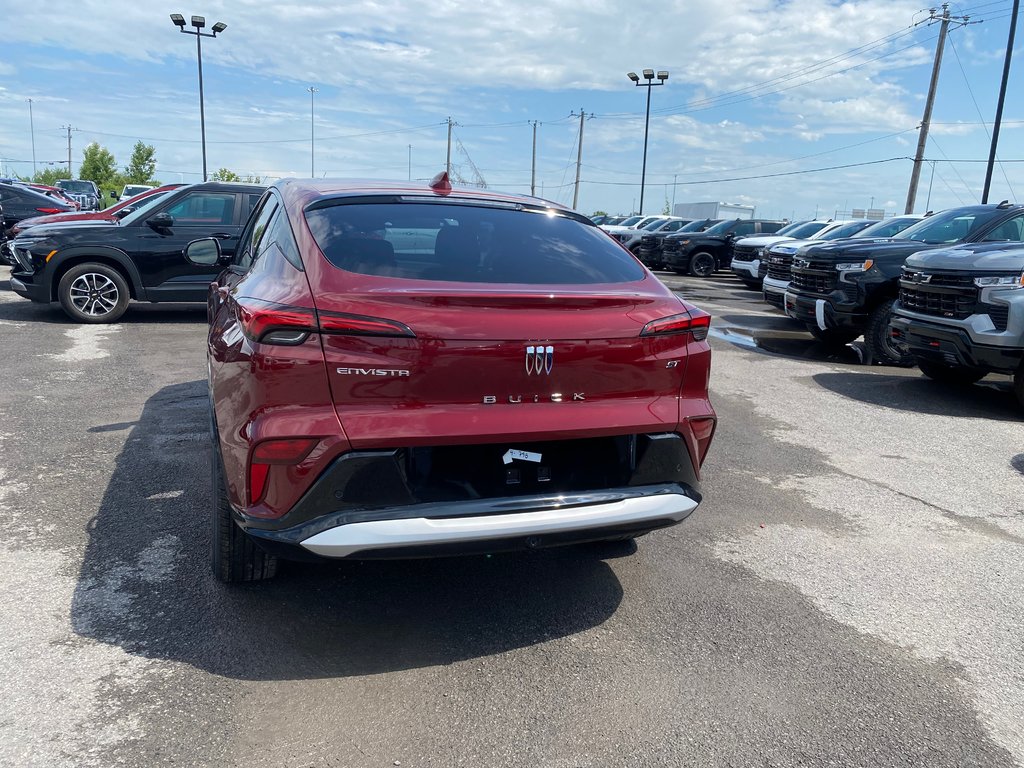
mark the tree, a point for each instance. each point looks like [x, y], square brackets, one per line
[598, 213]
[142, 165]
[223, 174]
[98, 165]
[49, 176]
[667, 210]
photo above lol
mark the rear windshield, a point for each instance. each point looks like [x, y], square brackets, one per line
[465, 243]
[79, 187]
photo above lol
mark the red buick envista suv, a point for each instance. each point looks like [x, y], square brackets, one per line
[402, 370]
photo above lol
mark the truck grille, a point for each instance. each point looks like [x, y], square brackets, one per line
[778, 266]
[814, 282]
[947, 295]
[744, 253]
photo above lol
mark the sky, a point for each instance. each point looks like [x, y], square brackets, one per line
[801, 108]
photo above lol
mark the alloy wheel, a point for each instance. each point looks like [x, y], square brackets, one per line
[94, 294]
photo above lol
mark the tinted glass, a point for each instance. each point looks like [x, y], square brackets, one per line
[694, 226]
[656, 224]
[721, 228]
[672, 226]
[468, 244]
[847, 230]
[804, 230]
[144, 208]
[253, 234]
[745, 228]
[1008, 230]
[200, 208]
[888, 227]
[949, 226]
[628, 222]
[791, 226]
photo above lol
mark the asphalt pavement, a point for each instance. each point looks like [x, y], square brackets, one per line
[849, 593]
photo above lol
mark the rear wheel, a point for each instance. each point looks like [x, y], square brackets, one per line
[235, 556]
[833, 337]
[882, 347]
[93, 293]
[702, 264]
[956, 375]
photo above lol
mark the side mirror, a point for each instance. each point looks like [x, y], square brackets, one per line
[204, 253]
[161, 221]
[113, 195]
[123, 212]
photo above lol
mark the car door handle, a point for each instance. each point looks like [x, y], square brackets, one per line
[221, 235]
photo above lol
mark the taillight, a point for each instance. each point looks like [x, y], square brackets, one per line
[286, 451]
[50, 210]
[695, 321]
[358, 325]
[271, 323]
[703, 430]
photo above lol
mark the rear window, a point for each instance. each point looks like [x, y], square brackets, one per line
[466, 243]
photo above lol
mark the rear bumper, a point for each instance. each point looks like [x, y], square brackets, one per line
[951, 345]
[454, 500]
[530, 523]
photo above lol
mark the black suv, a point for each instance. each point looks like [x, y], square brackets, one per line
[848, 289]
[94, 268]
[650, 252]
[703, 253]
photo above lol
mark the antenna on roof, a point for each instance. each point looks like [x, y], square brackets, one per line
[440, 183]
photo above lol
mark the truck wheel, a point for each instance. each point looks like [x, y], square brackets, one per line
[93, 293]
[702, 264]
[956, 375]
[235, 556]
[833, 337]
[879, 341]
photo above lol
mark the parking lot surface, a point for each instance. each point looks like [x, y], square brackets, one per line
[850, 592]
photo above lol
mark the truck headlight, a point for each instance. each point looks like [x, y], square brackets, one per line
[855, 266]
[1005, 281]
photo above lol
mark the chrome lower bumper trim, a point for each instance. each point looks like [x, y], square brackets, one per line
[352, 538]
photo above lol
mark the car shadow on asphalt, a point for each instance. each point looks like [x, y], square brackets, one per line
[991, 398]
[145, 584]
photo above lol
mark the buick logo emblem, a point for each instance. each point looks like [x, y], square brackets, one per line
[539, 360]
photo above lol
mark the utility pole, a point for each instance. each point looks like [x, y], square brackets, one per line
[533, 165]
[312, 137]
[68, 129]
[922, 137]
[674, 193]
[448, 159]
[579, 157]
[32, 127]
[1002, 97]
[410, 162]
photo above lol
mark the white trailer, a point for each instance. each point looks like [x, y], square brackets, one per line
[713, 211]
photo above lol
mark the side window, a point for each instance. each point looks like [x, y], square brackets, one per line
[744, 228]
[253, 234]
[770, 227]
[672, 226]
[204, 208]
[1008, 230]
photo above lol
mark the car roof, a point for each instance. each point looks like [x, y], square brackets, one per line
[304, 191]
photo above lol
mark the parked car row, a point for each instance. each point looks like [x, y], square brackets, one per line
[943, 291]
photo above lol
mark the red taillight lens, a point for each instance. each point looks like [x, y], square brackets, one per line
[285, 451]
[271, 323]
[703, 431]
[50, 210]
[694, 321]
[358, 325]
[262, 319]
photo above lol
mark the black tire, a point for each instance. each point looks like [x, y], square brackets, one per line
[235, 556]
[881, 346]
[703, 264]
[833, 337]
[93, 293]
[956, 375]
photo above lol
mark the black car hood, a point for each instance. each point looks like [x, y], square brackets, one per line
[64, 229]
[890, 249]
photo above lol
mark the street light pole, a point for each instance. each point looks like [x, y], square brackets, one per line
[199, 23]
[649, 78]
[32, 127]
[312, 139]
